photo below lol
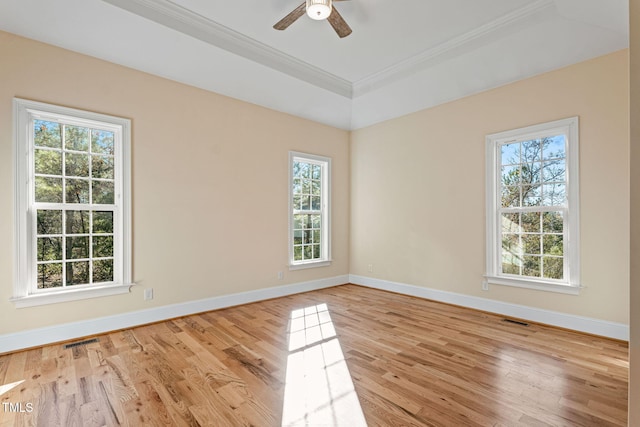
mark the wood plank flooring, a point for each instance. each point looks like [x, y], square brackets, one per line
[347, 355]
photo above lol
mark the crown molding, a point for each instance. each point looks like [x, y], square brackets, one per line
[451, 47]
[171, 15]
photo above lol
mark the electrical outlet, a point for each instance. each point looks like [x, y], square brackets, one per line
[280, 275]
[485, 285]
[148, 294]
[370, 268]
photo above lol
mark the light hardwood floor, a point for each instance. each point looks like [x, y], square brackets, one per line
[347, 355]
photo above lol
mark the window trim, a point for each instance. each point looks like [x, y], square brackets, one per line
[571, 284]
[24, 256]
[325, 163]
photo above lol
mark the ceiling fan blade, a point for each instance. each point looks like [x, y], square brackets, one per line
[292, 17]
[338, 23]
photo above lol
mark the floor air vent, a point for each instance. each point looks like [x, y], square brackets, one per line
[77, 343]
[517, 322]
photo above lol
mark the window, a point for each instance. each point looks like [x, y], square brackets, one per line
[309, 184]
[72, 201]
[532, 207]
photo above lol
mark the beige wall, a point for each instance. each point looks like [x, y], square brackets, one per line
[209, 182]
[418, 189]
[634, 300]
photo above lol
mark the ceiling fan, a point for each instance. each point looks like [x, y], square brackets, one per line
[318, 10]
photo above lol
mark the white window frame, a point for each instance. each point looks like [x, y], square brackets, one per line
[25, 292]
[325, 210]
[570, 284]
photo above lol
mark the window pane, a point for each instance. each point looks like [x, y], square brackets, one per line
[48, 190]
[531, 195]
[297, 202]
[315, 188]
[49, 221]
[77, 273]
[77, 222]
[49, 248]
[301, 170]
[305, 203]
[510, 263]
[316, 251]
[510, 175]
[553, 244]
[77, 191]
[306, 237]
[510, 196]
[531, 266]
[510, 153]
[102, 222]
[531, 243]
[510, 222]
[299, 221]
[554, 194]
[305, 170]
[553, 268]
[297, 237]
[102, 246]
[49, 275]
[103, 270]
[76, 138]
[316, 236]
[48, 162]
[76, 164]
[102, 142]
[554, 147]
[554, 170]
[77, 247]
[47, 134]
[530, 173]
[552, 222]
[315, 221]
[102, 167]
[297, 253]
[315, 171]
[307, 252]
[531, 151]
[531, 222]
[297, 186]
[511, 244]
[315, 203]
[103, 192]
[306, 186]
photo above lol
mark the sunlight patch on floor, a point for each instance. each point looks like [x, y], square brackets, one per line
[319, 390]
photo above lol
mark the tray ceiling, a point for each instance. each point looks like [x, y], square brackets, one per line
[403, 56]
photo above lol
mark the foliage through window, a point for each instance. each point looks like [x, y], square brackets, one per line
[532, 191]
[73, 210]
[308, 216]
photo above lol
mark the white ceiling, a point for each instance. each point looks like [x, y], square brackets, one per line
[403, 55]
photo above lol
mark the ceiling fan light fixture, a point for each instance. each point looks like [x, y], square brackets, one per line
[319, 9]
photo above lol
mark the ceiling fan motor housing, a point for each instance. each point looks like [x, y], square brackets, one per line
[319, 9]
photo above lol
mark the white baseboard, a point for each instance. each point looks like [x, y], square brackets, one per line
[577, 323]
[70, 331]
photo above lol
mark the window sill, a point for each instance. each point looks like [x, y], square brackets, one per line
[312, 264]
[534, 284]
[43, 298]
